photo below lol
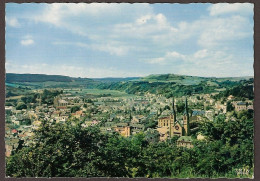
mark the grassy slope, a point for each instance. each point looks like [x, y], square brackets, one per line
[189, 80]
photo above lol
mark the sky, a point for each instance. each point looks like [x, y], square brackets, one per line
[130, 40]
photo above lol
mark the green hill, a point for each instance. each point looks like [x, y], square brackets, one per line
[178, 85]
[166, 84]
[116, 79]
[11, 77]
[189, 80]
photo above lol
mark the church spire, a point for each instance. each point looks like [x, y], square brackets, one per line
[174, 117]
[187, 117]
[186, 108]
[173, 110]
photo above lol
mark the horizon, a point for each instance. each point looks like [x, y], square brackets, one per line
[101, 40]
[126, 77]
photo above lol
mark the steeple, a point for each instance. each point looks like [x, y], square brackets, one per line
[173, 110]
[186, 108]
[186, 119]
[174, 117]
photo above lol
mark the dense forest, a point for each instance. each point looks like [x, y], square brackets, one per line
[70, 150]
[12, 77]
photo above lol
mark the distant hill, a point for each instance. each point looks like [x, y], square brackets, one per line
[12, 77]
[116, 79]
[166, 84]
[189, 80]
[178, 85]
[182, 79]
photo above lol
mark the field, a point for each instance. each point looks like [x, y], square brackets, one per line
[113, 93]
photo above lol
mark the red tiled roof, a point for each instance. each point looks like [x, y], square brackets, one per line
[14, 131]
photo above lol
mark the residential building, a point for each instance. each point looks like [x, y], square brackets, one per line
[240, 106]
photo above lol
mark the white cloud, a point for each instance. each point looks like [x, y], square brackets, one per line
[220, 31]
[143, 19]
[204, 62]
[122, 36]
[97, 22]
[201, 54]
[160, 60]
[152, 27]
[13, 22]
[168, 59]
[227, 8]
[111, 47]
[27, 40]
[175, 55]
[202, 57]
[60, 14]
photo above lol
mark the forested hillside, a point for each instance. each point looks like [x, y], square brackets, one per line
[177, 87]
[165, 84]
[11, 77]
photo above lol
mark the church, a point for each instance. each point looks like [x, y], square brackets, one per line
[169, 126]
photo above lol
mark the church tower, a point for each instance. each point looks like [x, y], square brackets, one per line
[173, 110]
[172, 119]
[186, 121]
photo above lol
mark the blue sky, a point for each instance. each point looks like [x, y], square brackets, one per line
[123, 40]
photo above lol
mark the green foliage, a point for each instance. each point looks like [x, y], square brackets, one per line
[240, 91]
[48, 96]
[230, 107]
[26, 122]
[70, 150]
[180, 107]
[177, 86]
[245, 114]
[10, 94]
[10, 77]
[208, 107]
[74, 109]
[89, 101]
[21, 105]
[166, 107]
[150, 123]
[29, 98]
[9, 104]
[14, 126]
[152, 135]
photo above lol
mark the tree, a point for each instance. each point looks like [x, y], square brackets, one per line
[166, 107]
[180, 107]
[48, 96]
[230, 106]
[74, 109]
[26, 121]
[208, 107]
[70, 150]
[152, 135]
[21, 105]
[60, 150]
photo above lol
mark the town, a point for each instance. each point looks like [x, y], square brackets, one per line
[155, 115]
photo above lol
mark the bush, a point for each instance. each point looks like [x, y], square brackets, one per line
[21, 105]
